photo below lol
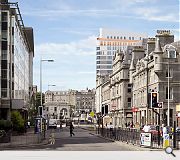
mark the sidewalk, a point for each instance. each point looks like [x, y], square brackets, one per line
[28, 139]
[134, 147]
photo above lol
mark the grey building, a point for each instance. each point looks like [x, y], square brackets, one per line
[17, 52]
[77, 102]
[156, 71]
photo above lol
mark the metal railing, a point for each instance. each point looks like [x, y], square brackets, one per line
[132, 136]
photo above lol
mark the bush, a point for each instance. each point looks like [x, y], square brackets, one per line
[18, 122]
[5, 125]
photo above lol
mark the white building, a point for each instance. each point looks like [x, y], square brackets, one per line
[108, 42]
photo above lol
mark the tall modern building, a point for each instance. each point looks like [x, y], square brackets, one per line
[108, 42]
[16, 54]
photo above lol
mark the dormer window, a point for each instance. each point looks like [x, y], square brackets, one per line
[171, 53]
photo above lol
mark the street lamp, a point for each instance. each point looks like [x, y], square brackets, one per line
[42, 60]
[171, 54]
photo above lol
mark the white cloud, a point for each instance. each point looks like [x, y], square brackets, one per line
[155, 14]
[81, 47]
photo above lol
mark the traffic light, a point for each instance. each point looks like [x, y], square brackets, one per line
[40, 110]
[154, 100]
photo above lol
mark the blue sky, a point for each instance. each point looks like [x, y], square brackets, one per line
[66, 31]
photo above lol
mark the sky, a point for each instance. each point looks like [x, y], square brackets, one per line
[66, 31]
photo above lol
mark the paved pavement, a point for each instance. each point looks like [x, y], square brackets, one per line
[27, 139]
[84, 140]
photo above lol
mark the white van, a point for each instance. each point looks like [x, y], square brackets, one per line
[53, 123]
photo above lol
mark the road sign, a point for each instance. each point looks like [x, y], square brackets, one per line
[160, 104]
[165, 140]
[92, 114]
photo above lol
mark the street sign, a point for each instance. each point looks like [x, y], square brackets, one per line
[165, 140]
[160, 104]
[92, 114]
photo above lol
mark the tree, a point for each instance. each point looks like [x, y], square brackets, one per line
[18, 122]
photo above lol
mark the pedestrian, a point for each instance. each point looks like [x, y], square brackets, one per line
[71, 129]
[28, 124]
[164, 130]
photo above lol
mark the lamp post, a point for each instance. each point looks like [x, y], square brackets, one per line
[168, 114]
[42, 60]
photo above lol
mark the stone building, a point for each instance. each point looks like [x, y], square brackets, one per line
[75, 102]
[138, 73]
[121, 90]
[156, 70]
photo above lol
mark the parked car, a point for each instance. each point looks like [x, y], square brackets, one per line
[178, 129]
[151, 128]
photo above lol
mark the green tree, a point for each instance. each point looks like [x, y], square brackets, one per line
[17, 122]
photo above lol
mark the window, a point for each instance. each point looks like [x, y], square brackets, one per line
[129, 99]
[4, 83]
[124, 37]
[98, 57]
[129, 102]
[55, 109]
[4, 73]
[97, 48]
[4, 26]
[3, 64]
[47, 109]
[129, 90]
[170, 73]
[132, 38]
[151, 57]
[129, 38]
[170, 93]
[4, 16]
[171, 54]
[4, 45]
[4, 35]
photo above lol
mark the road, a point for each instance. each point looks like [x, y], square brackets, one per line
[84, 140]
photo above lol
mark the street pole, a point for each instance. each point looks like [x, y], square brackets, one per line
[41, 79]
[41, 95]
[168, 114]
[42, 60]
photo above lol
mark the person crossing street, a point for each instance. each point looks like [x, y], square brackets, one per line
[71, 129]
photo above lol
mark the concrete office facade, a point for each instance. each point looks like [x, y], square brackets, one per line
[17, 52]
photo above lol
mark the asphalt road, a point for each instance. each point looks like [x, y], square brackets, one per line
[83, 140]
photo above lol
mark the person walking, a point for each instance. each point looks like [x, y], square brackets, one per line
[71, 129]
